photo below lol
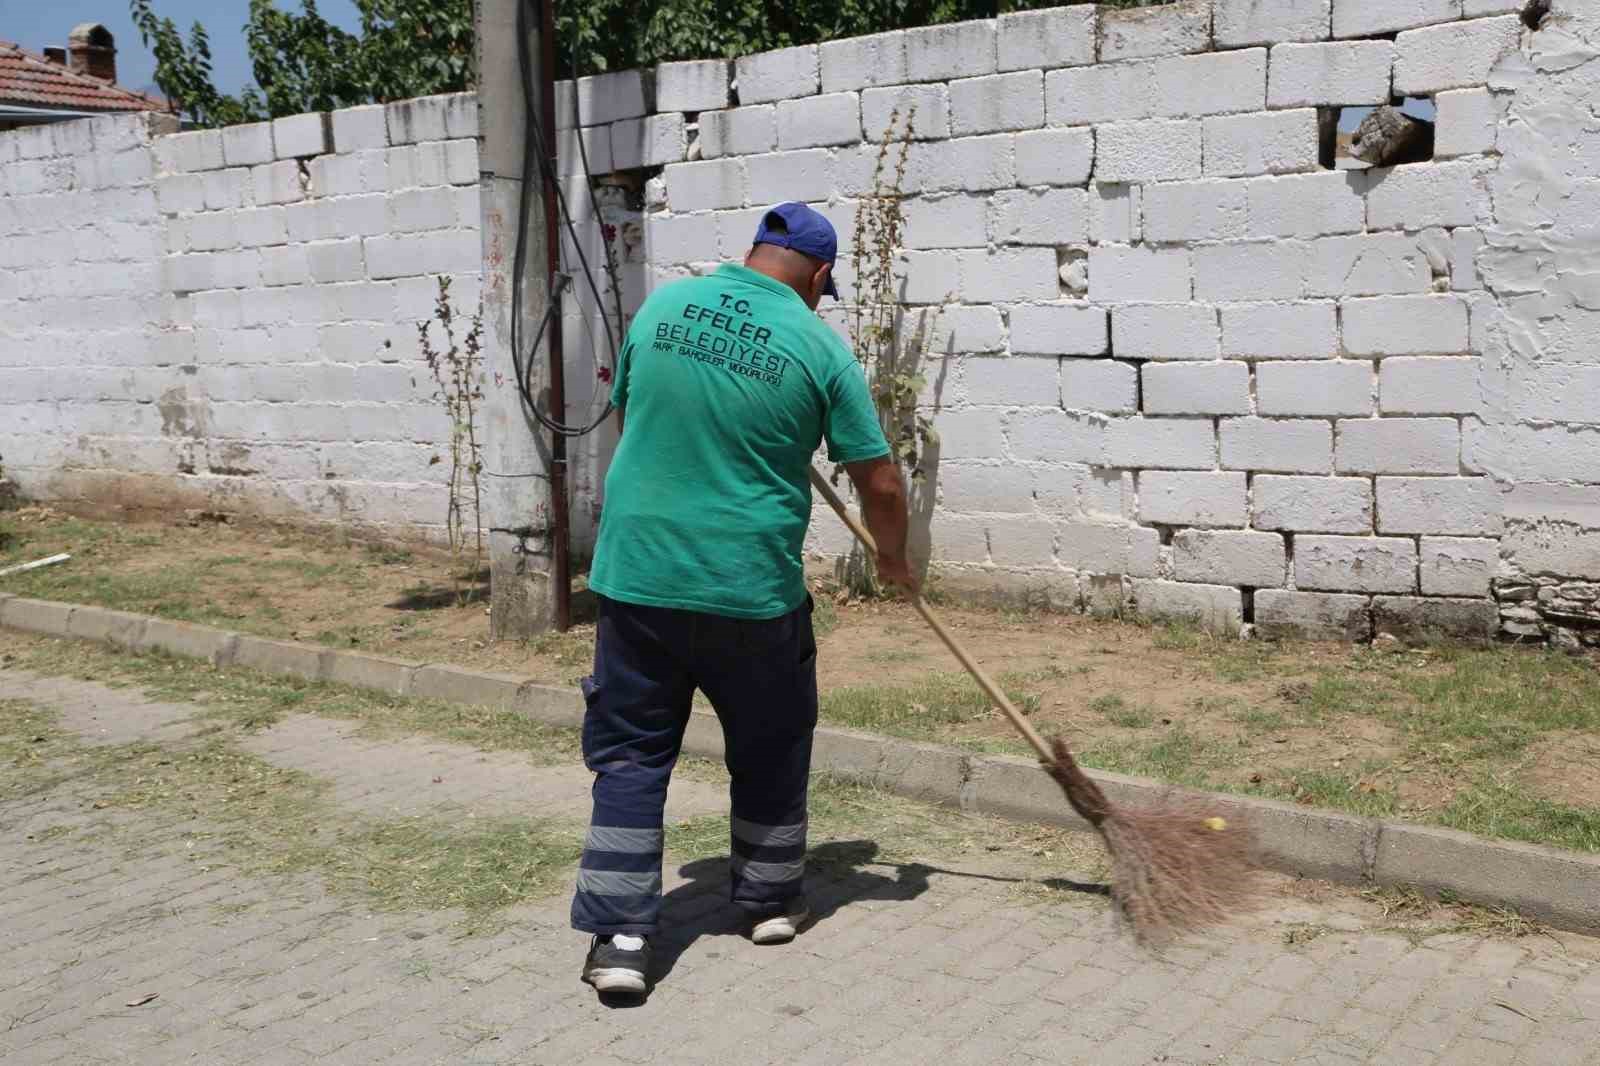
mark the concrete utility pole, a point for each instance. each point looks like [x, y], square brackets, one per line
[518, 503]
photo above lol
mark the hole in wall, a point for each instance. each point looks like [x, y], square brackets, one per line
[1388, 135]
[1248, 596]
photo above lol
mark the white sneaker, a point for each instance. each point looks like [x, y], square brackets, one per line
[782, 928]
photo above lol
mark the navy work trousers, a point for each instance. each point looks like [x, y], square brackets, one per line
[761, 678]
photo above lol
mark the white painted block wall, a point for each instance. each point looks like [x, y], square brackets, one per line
[1178, 368]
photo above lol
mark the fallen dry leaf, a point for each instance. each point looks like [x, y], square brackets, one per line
[142, 1000]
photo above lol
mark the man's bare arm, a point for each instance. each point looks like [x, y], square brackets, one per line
[883, 506]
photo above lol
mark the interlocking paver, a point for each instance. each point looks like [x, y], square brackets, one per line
[905, 965]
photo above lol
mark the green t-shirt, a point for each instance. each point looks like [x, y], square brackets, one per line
[729, 383]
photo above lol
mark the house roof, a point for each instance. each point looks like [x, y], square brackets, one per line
[33, 81]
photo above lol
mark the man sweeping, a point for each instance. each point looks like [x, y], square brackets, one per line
[726, 386]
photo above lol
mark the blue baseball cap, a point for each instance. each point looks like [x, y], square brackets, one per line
[804, 230]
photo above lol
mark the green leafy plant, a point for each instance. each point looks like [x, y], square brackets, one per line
[458, 370]
[302, 62]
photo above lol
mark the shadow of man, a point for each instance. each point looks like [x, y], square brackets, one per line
[838, 873]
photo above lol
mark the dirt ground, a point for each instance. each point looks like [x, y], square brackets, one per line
[1497, 740]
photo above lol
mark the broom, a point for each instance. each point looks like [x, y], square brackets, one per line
[1177, 865]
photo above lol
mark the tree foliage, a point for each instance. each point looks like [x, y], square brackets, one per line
[302, 62]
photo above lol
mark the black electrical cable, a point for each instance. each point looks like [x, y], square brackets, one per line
[536, 156]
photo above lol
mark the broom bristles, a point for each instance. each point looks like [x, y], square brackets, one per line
[1177, 865]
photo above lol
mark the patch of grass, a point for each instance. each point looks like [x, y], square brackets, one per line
[1259, 720]
[1338, 791]
[1176, 755]
[574, 648]
[1491, 807]
[1116, 711]
[253, 700]
[921, 709]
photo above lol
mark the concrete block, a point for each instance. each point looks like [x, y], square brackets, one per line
[1338, 73]
[1102, 385]
[650, 141]
[945, 221]
[738, 131]
[358, 129]
[1164, 331]
[1058, 329]
[959, 329]
[1054, 435]
[1218, 608]
[1182, 211]
[119, 628]
[461, 116]
[277, 183]
[1238, 23]
[1121, 274]
[458, 685]
[997, 102]
[1306, 205]
[1312, 615]
[1311, 504]
[247, 145]
[461, 162]
[215, 646]
[859, 62]
[1168, 29]
[1252, 270]
[611, 97]
[1021, 381]
[227, 189]
[1454, 55]
[923, 771]
[371, 672]
[1424, 195]
[336, 261]
[282, 657]
[1355, 564]
[1176, 87]
[1316, 389]
[1262, 142]
[180, 194]
[1149, 150]
[1466, 124]
[1427, 620]
[1399, 446]
[591, 147]
[190, 153]
[1367, 265]
[1405, 325]
[1367, 18]
[1008, 274]
[1458, 566]
[1301, 330]
[1172, 444]
[1197, 389]
[1114, 213]
[416, 121]
[951, 50]
[1054, 37]
[299, 136]
[1463, 506]
[681, 238]
[706, 185]
[1055, 156]
[1281, 446]
[886, 113]
[1228, 557]
[1048, 216]
[36, 615]
[697, 85]
[932, 277]
[1546, 884]
[834, 118]
[1428, 386]
[778, 75]
[972, 164]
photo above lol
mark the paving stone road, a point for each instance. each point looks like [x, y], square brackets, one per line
[936, 963]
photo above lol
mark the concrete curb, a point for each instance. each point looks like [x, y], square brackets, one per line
[1557, 887]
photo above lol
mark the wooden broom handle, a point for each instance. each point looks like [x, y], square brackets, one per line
[992, 690]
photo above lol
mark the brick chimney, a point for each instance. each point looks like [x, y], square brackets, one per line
[92, 50]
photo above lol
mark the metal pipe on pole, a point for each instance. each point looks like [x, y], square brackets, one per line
[560, 505]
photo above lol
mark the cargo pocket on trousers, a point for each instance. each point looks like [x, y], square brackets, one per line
[591, 696]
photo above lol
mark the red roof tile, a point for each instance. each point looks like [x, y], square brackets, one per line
[33, 81]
